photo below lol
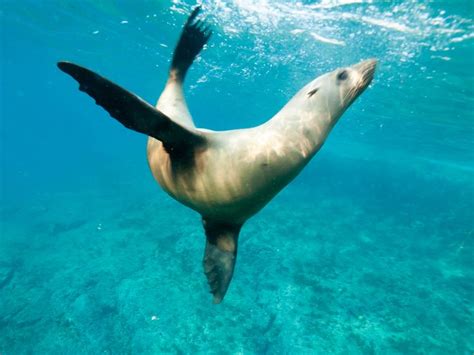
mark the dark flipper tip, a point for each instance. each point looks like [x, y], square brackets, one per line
[219, 268]
[194, 13]
[217, 299]
[194, 37]
[220, 256]
[66, 67]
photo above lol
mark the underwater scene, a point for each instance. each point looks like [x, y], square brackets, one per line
[369, 250]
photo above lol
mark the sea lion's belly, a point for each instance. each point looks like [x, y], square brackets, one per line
[229, 183]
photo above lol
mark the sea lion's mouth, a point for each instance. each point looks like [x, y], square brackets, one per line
[366, 69]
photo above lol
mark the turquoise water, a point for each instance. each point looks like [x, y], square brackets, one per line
[368, 251]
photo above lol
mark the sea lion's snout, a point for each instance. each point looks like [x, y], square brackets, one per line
[366, 69]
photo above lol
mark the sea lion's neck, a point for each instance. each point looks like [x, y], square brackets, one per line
[304, 131]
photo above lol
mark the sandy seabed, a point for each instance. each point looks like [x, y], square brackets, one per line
[340, 262]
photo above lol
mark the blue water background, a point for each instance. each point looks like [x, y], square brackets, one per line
[369, 250]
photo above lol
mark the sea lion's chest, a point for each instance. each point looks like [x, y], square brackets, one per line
[233, 179]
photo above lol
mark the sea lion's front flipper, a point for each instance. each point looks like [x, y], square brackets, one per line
[132, 111]
[194, 36]
[220, 255]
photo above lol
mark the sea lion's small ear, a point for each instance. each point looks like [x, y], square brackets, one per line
[312, 92]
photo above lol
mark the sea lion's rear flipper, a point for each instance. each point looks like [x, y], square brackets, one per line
[132, 111]
[194, 36]
[220, 255]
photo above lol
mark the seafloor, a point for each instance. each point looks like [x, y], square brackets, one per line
[355, 256]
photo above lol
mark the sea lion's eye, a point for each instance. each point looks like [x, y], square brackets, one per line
[312, 92]
[342, 75]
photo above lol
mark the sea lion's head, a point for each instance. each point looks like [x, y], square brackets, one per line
[327, 97]
[334, 92]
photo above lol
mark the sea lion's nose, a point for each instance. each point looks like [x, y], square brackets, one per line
[367, 69]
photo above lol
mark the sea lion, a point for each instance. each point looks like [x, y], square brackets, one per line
[226, 176]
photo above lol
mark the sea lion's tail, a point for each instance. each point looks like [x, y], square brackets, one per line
[220, 255]
[194, 36]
